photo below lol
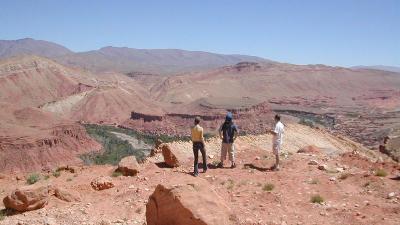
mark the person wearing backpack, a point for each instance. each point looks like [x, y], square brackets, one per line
[198, 144]
[228, 133]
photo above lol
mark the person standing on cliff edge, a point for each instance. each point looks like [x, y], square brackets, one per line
[277, 138]
[228, 133]
[198, 144]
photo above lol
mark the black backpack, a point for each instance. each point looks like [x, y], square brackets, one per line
[228, 131]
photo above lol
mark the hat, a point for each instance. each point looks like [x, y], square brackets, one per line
[229, 116]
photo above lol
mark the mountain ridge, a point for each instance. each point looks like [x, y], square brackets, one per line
[124, 59]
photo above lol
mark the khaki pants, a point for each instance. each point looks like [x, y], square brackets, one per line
[225, 148]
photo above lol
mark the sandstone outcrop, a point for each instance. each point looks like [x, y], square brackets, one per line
[128, 166]
[193, 203]
[67, 195]
[171, 156]
[27, 199]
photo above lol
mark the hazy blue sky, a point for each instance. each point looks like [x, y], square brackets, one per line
[331, 32]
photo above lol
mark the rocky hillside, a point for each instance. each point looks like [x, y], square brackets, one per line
[330, 181]
[34, 140]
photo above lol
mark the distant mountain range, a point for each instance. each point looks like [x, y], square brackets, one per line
[122, 59]
[379, 67]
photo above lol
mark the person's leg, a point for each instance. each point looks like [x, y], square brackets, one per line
[196, 159]
[232, 154]
[203, 153]
[223, 154]
[276, 153]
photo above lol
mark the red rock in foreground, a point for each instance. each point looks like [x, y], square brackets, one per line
[27, 199]
[193, 203]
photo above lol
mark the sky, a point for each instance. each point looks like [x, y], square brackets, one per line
[334, 32]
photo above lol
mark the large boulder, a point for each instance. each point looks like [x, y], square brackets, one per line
[172, 157]
[190, 203]
[128, 166]
[67, 195]
[102, 183]
[27, 199]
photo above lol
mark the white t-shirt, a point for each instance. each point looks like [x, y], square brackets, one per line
[279, 130]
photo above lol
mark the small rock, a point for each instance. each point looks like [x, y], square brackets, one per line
[211, 156]
[323, 167]
[101, 183]
[313, 162]
[332, 178]
[257, 158]
[67, 195]
[391, 195]
[128, 166]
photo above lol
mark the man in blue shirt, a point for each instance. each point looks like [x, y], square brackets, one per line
[228, 133]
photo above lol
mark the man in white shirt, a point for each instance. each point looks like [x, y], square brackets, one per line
[277, 137]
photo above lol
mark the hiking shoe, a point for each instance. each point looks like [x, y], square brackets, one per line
[275, 168]
[233, 165]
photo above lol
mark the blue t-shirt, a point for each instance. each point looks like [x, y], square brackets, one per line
[228, 131]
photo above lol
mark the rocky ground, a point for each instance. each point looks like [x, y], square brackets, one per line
[336, 169]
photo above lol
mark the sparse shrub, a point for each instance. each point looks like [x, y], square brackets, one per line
[381, 173]
[69, 179]
[306, 122]
[367, 184]
[268, 187]
[314, 181]
[231, 184]
[215, 163]
[116, 174]
[2, 214]
[46, 177]
[33, 178]
[317, 199]
[56, 173]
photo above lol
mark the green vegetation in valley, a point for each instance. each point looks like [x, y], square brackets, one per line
[114, 148]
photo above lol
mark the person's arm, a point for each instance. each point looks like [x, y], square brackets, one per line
[202, 136]
[235, 133]
[220, 133]
[273, 131]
